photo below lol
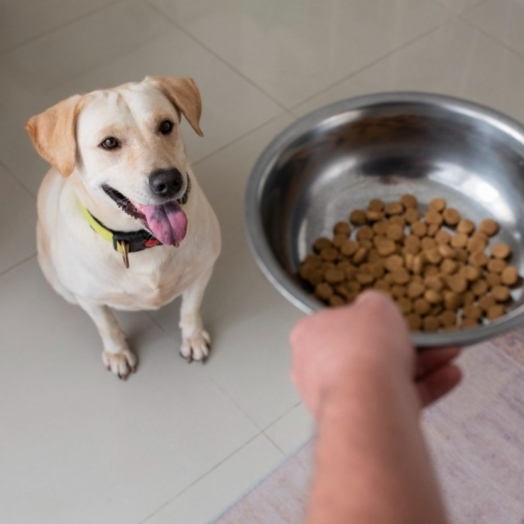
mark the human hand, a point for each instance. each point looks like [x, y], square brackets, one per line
[331, 346]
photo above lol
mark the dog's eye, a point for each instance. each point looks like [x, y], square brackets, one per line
[166, 126]
[110, 143]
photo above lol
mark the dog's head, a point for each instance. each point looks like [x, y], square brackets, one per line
[125, 144]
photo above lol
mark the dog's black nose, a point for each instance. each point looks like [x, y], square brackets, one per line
[166, 182]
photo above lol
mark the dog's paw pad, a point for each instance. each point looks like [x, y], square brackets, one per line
[121, 364]
[196, 348]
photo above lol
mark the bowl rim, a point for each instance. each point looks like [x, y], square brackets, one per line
[262, 252]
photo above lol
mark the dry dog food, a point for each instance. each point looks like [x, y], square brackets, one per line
[437, 266]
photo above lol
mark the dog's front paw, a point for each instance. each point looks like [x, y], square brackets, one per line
[196, 348]
[121, 363]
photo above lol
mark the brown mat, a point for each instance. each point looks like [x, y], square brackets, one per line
[476, 437]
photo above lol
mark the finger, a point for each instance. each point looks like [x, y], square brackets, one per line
[432, 358]
[437, 384]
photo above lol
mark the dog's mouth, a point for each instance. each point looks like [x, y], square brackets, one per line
[167, 222]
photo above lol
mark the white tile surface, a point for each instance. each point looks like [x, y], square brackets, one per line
[222, 486]
[295, 48]
[139, 42]
[293, 430]
[455, 60]
[249, 320]
[78, 445]
[501, 19]
[27, 19]
[17, 222]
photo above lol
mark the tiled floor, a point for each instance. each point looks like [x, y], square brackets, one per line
[178, 443]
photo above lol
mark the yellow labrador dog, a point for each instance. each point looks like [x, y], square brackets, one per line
[122, 221]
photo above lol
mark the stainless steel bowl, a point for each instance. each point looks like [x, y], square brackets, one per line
[382, 146]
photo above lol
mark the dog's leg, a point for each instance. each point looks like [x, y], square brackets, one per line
[116, 355]
[195, 339]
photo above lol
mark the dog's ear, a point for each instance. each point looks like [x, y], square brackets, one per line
[183, 93]
[53, 134]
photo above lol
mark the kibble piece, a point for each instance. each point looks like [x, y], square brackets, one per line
[431, 323]
[448, 318]
[451, 217]
[376, 204]
[405, 305]
[412, 244]
[442, 237]
[415, 289]
[437, 204]
[377, 270]
[470, 273]
[412, 215]
[360, 255]
[374, 216]
[489, 226]
[496, 311]
[366, 244]
[358, 217]
[479, 258]
[421, 306]
[434, 282]
[321, 243]
[382, 285]
[501, 293]
[315, 277]
[430, 270]
[510, 276]
[501, 250]
[398, 291]
[476, 243]
[427, 243]
[334, 276]
[329, 254]
[432, 217]
[448, 266]
[459, 240]
[380, 228]
[468, 299]
[409, 201]
[323, 291]
[480, 235]
[418, 229]
[373, 256]
[400, 276]
[314, 260]
[395, 208]
[461, 255]
[418, 264]
[446, 251]
[466, 323]
[433, 256]
[480, 287]
[497, 265]
[354, 287]
[364, 278]
[493, 280]
[456, 283]
[472, 311]
[342, 228]
[414, 321]
[432, 296]
[398, 220]
[365, 233]
[349, 248]
[394, 262]
[338, 240]
[486, 302]
[395, 232]
[433, 229]
[452, 301]
[336, 300]
[386, 247]
[466, 226]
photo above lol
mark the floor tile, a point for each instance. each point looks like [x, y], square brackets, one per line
[294, 49]
[78, 445]
[223, 486]
[459, 6]
[139, 42]
[502, 20]
[29, 19]
[455, 60]
[293, 430]
[249, 320]
[17, 222]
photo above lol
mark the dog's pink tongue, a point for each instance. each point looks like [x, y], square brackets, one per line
[167, 222]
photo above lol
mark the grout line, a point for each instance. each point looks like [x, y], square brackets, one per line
[155, 322]
[17, 181]
[189, 486]
[216, 55]
[61, 26]
[11, 268]
[447, 20]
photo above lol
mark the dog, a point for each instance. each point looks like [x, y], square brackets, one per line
[122, 222]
